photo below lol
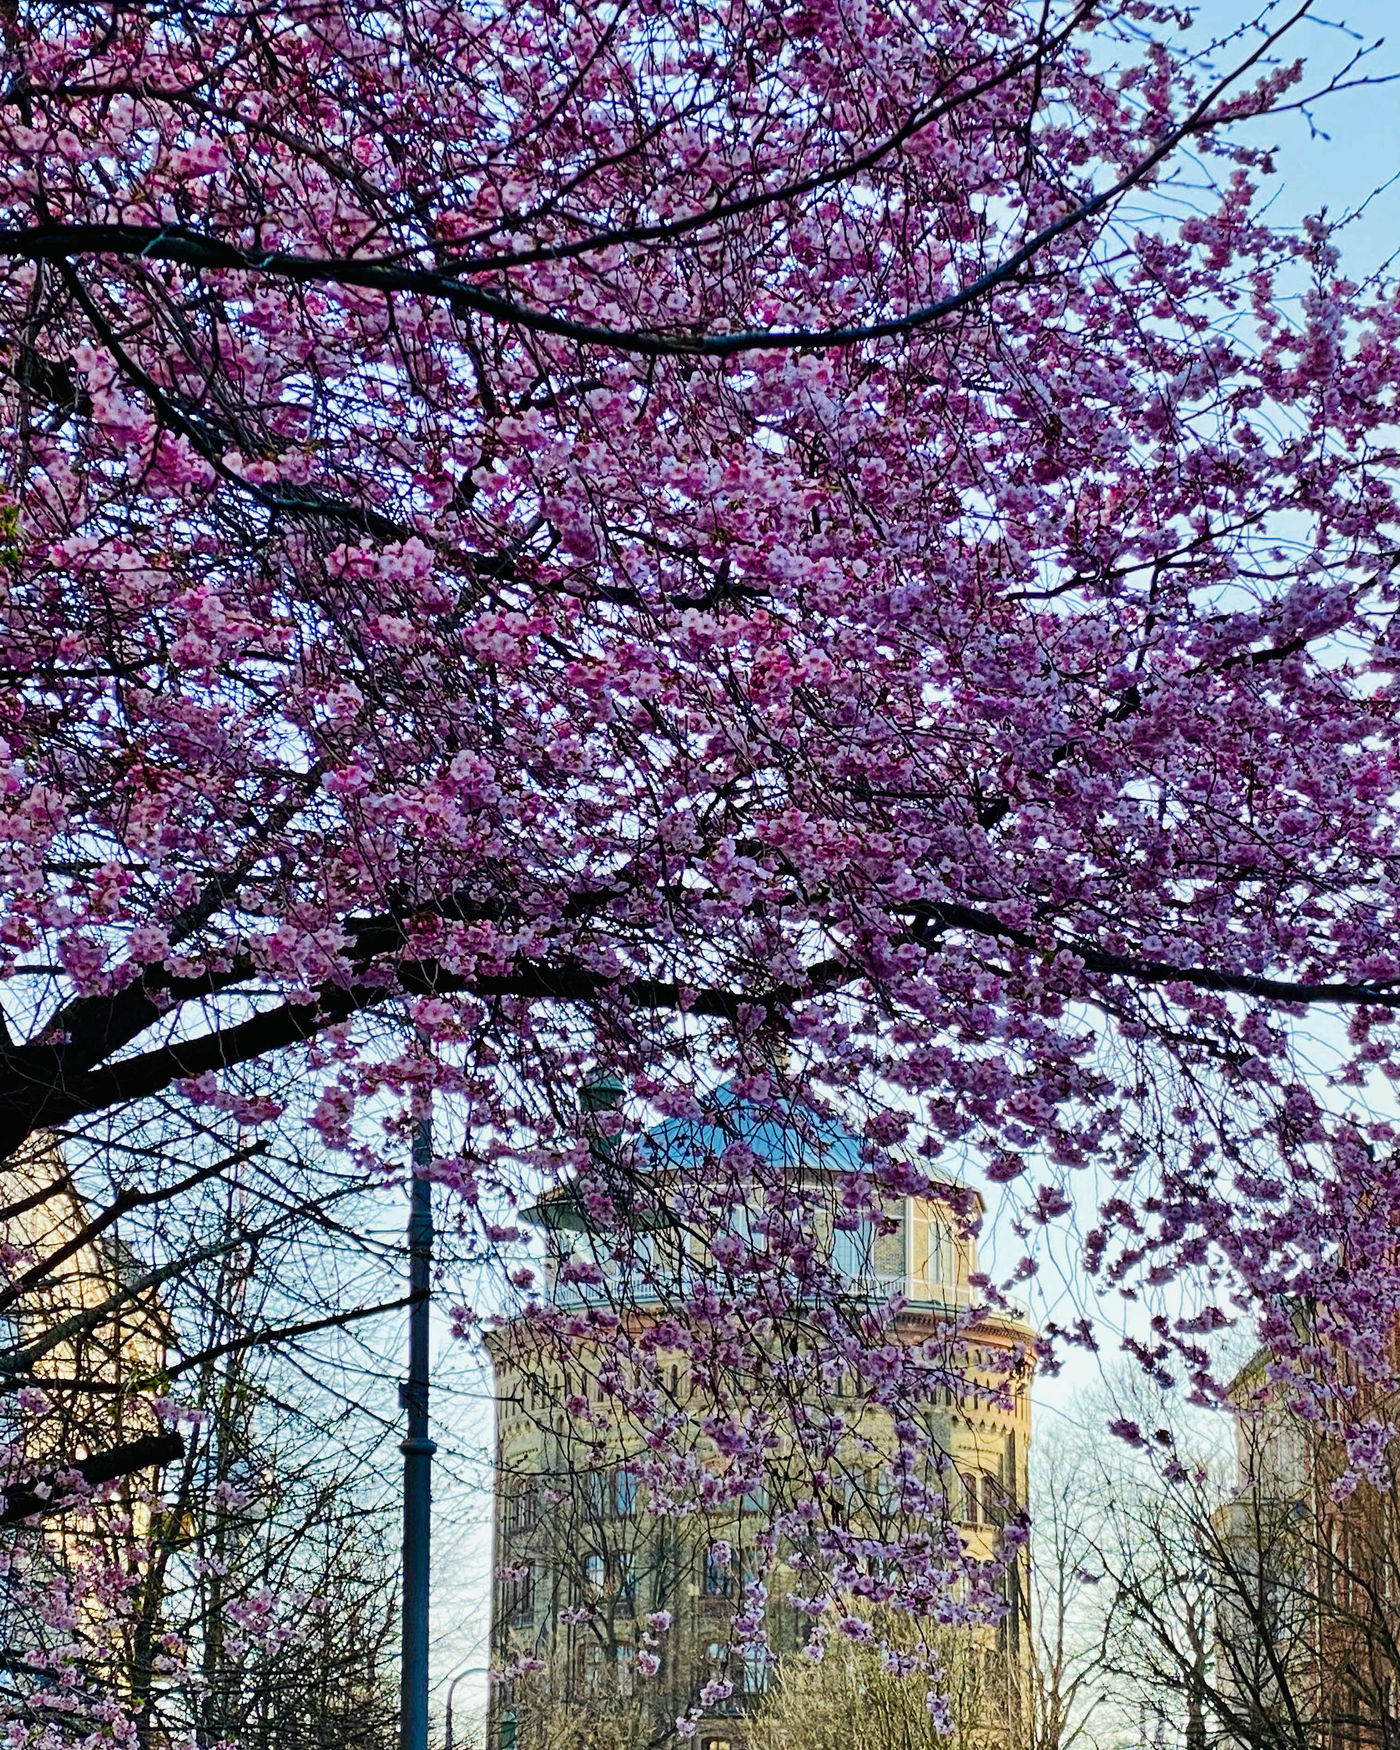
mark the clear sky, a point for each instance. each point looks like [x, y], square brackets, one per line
[1346, 145]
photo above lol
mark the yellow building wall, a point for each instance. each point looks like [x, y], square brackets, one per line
[986, 1438]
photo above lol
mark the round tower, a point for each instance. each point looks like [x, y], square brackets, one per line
[586, 1569]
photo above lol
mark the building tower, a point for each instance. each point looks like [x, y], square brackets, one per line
[583, 1563]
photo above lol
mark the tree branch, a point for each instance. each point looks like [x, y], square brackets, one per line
[1360, 993]
[189, 248]
[284, 1333]
[122, 1204]
[18, 1366]
[23, 1500]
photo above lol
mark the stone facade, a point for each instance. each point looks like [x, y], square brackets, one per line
[582, 1561]
[1308, 1572]
[115, 1334]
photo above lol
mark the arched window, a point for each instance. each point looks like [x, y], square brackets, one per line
[716, 1575]
[518, 1597]
[522, 1505]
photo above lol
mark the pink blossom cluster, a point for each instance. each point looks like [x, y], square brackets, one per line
[752, 541]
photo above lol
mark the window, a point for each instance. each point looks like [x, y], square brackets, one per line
[641, 1266]
[888, 1263]
[610, 1494]
[852, 1501]
[716, 1576]
[518, 1597]
[1009, 1630]
[993, 1501]
[968, 1514]
[754, 1500]
[747, 1233]
[932, 1255]
[850, 1253]
[574, 1253]
[627, 1578]
[625, 1656]
[595, 1572]
[522, 1506]
[757, 1670]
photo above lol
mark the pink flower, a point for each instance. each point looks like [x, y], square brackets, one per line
[904, 678]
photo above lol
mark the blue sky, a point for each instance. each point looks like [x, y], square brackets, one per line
[1348, 144]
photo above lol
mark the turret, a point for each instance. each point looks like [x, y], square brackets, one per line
[920, 1248]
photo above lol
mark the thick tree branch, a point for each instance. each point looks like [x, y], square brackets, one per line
[24, 1500]
[188, 248]
[1345, 993]
[36, 1199]
[291, 1024]
[34, 1103]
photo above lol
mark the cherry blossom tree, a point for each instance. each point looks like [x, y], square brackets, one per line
[826, 544]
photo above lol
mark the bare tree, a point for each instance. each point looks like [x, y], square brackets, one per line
[1259, 1607]
[821, 1705]
[249, 1593]
[1069, 1679]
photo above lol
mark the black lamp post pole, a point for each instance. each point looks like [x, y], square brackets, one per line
[418, 1452]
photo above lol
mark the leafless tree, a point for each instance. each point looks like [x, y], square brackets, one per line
[247, 1593]
[1069, 1681]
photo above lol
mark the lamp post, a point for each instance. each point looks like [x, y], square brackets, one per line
[418, 1452]
[471, 1671]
